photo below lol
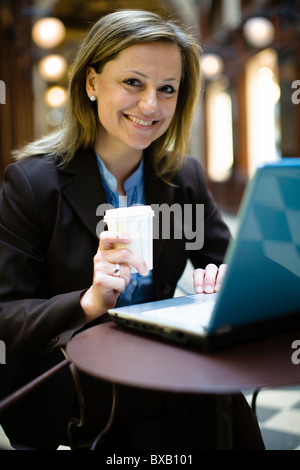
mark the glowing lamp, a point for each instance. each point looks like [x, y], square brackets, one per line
[259, 32]
[48, 32]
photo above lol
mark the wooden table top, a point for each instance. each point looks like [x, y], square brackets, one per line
[125, 357]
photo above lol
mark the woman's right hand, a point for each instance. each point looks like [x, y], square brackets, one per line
[107, 286]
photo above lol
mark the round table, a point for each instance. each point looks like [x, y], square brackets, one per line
[126, 357]
[129, 358]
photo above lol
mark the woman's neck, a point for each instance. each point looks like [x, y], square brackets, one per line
[122, 164]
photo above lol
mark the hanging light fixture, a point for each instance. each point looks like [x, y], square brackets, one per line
[259, 32]
[212, 66]
[56, 97]
[53, 67]
[48, 32]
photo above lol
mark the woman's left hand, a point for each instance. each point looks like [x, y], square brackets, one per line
[209, 280]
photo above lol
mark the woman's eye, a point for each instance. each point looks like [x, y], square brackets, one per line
[167, 89]
[132, 82]
[137, 84]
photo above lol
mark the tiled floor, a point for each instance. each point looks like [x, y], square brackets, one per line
[4, 442]
[278, 412]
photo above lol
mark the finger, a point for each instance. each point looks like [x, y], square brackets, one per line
[109, 239]
[199, 280]
[120, 270]
[220, 277]
[105, 282]
[111, 246]
[205, 279]
[117, 270]
[102, 265]
[124, 256]
[210, 276]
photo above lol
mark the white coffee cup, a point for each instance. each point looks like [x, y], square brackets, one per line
[137, 223]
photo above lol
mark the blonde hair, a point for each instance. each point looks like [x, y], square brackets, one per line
[105, 40]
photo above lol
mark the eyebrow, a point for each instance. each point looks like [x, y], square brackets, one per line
[145, 76]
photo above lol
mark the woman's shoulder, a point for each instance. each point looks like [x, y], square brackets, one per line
[191, 163]
[191, 170]
[38, 172]
[34, 164]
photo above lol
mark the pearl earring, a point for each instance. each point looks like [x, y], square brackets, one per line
[93, 98]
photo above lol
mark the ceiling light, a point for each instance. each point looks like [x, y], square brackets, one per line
[212, 66]
[53, 67]
[259, 32]
[48, 32]
[56, 97]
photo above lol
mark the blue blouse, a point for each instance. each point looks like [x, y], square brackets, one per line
[140, 288]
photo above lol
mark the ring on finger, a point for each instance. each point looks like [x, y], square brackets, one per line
[116, 271]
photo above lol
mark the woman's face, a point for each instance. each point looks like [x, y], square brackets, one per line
[136, 95]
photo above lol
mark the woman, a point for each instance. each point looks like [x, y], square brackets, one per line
[134, 89]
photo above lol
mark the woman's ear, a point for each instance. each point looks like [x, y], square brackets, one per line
[91, 75]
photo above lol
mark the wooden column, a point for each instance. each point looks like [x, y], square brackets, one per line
[16, 114]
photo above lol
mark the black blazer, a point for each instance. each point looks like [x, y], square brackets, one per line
[48, 222]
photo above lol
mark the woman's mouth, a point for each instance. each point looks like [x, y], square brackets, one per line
[140, 122]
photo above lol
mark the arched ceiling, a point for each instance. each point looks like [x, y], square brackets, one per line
[77, 13]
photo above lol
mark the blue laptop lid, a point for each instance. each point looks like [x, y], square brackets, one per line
[263, 275]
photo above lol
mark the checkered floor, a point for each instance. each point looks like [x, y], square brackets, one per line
[278, 412]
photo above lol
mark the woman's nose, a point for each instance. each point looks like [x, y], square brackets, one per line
[148, 102]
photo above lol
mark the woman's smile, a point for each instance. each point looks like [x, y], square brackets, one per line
[140, 122]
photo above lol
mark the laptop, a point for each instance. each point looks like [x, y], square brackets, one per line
[260, 294]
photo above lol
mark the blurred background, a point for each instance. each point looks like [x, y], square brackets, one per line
[249, 111]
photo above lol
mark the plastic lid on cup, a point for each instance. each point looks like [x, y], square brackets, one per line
[132, 211]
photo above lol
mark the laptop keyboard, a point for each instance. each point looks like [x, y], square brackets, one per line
[194, 314]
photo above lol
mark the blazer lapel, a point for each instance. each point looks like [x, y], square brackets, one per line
[82, 186]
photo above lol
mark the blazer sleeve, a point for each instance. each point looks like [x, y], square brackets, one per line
[29, 322]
